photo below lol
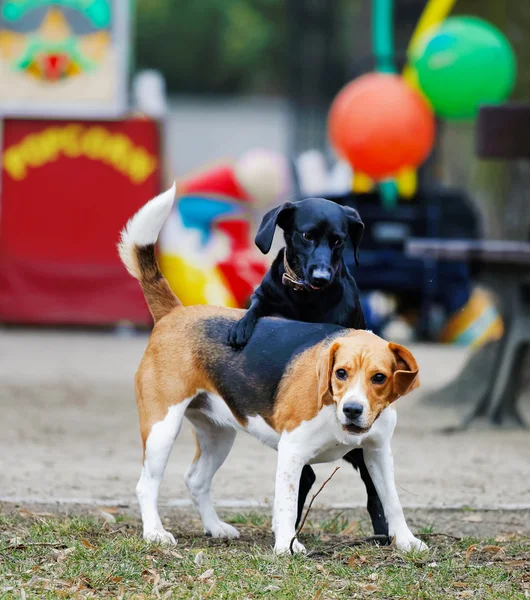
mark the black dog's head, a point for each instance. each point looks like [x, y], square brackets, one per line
[315, 232]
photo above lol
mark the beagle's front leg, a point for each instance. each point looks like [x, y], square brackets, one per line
[291, 461]
[380, 465]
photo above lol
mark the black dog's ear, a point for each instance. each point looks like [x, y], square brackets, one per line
[355, 229]
[276, 216]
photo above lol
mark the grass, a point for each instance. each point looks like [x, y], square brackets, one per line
[47, 556]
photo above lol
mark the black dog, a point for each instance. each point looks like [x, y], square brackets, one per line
[309, 281]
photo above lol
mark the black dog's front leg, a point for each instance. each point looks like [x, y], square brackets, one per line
[241, 331]
[307, 479]
[374, 506]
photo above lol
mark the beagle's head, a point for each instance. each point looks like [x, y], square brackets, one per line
[362, 374]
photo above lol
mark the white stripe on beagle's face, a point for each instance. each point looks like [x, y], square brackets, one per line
[363, 374]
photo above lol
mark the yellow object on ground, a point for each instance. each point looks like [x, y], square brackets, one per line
[476, 323]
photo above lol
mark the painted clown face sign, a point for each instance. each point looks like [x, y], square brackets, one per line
[63, 57]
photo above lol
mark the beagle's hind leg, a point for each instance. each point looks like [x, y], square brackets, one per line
[157, 447]
[213, 446]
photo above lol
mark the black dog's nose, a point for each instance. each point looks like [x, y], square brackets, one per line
[353, 410]
[320, 277]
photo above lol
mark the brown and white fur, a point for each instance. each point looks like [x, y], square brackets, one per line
[188, 370]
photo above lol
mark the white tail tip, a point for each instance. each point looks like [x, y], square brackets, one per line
[144, 227]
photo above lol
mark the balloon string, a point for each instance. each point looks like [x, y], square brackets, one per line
[383, 44]
[383, 35]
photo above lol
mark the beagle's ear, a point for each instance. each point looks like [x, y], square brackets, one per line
[324, 372]
[355, 230]
[277, 216]
[405, 378]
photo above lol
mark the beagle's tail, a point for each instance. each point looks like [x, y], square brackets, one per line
[137, 252]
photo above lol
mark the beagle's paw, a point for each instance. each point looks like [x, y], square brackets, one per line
[240, 333]
[221, 530]
[160, 536]
[285, 547]
[409, 542]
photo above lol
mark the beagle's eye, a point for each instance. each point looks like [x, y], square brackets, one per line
[308, 236]
[378, 378]
[341, 374]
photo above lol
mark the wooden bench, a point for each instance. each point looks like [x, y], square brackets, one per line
[491, 383]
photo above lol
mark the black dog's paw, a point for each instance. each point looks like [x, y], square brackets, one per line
[240, 333]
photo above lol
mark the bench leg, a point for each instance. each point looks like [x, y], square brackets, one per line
[482, 400]
[503, 394]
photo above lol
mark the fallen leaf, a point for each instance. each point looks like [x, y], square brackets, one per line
[210, 591]
[371, 587]
[176, 554]
[318, 594]
[26, 513]
[494, 549]
[199, 558]
[351, 528]
[16, 541]
[107, 517]
[112, 510]
[516, 563]
[207, 574]
[459, 584]
[61, 555]
[469, 551]
[116, 579]
[121, 593]
[503, 538]
[87, 543]
[272, 588]
[472, 519]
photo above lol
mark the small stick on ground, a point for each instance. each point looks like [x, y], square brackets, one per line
[23, 546]
[308, 509]
[373, 539]
[447, 535]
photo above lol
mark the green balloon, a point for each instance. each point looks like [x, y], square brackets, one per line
[463, 63]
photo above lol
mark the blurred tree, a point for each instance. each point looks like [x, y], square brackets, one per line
[212, 45]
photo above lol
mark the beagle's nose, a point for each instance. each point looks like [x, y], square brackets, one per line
[353, 410]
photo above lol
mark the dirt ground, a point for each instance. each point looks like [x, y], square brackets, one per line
[69, 434]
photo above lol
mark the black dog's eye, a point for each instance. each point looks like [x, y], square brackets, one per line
[308, 236]
[378, 378]
[341, 374]
[337, 243]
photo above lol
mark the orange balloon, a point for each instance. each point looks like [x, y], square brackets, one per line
[380, 125]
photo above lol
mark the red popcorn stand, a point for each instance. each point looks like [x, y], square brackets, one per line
[72, 172]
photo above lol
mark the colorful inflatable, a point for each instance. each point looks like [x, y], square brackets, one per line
[206, 248]
[476, 323]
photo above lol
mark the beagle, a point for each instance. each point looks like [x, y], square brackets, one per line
[312, 392]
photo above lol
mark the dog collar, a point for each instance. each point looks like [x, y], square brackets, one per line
[290, 279]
